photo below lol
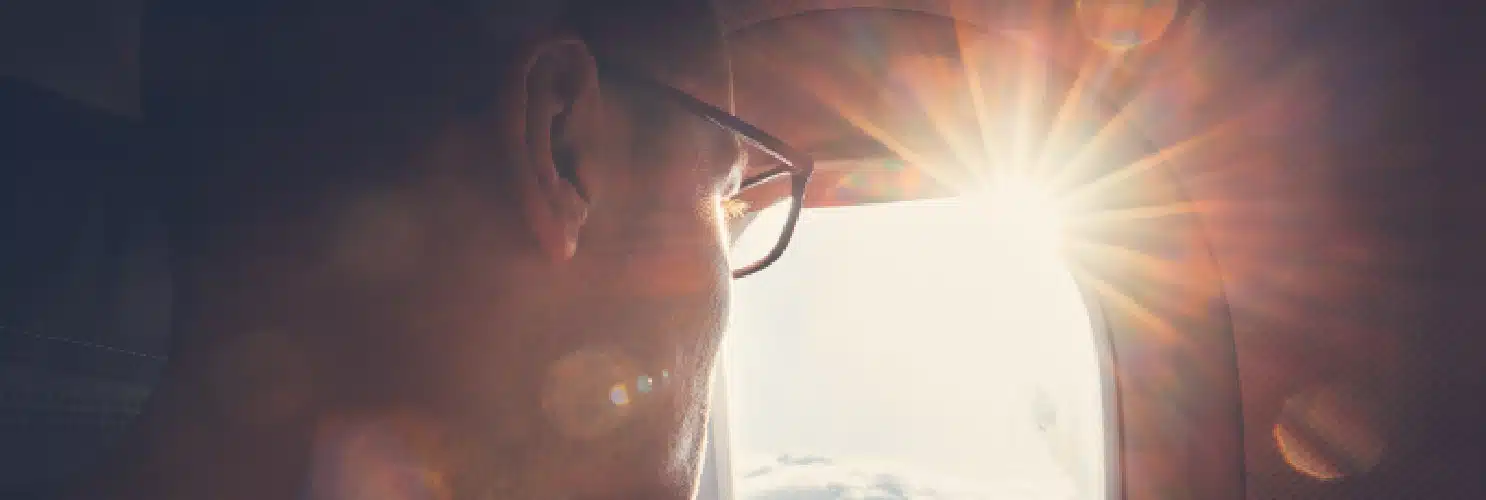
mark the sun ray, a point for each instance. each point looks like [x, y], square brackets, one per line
[1030, 94]
[970, 57]
[1112, 130]
[1126, 303]
[1082, 192]
[941, 109]
[1195, 207]
[858, 119]
[1072, 106]
[817, 82]
[1178, 287]
[1150, 266]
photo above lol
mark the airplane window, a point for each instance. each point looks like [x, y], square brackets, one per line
[923, 349]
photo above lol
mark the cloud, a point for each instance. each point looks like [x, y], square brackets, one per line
[815, 477]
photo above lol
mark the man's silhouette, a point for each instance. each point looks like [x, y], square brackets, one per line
[433, 249]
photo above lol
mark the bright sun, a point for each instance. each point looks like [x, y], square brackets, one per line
[1024, 218]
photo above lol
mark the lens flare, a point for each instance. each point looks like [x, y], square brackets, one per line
[1328, 433]
[619, 395]
[581, 396]
[1125, 24]
[1212, 145]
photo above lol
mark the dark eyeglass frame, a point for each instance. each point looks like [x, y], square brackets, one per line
[799, 166]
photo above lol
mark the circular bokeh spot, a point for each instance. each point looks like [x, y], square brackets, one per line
[1125, 24]
[1329, 433]
[586, 393]
[619, 395]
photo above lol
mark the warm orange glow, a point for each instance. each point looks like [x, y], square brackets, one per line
[1328, 433]
[1197, 173]
[1304, 458]
[1125, 24]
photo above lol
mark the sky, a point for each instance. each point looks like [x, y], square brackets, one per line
[916, 337]
[814, 477]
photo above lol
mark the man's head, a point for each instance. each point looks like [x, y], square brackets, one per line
[439, 234]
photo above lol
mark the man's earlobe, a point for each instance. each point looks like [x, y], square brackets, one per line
[572, 207]
[559, 76]
[575, 197]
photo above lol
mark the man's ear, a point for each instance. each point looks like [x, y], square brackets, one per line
[560, 85]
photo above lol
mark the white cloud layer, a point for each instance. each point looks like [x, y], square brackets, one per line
[813, 477]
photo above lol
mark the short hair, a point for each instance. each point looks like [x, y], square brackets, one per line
[220, 78]
[195, 53]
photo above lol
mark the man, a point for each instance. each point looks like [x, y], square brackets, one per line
[429, 250]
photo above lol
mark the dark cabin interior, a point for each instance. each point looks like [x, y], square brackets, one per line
[84, 265]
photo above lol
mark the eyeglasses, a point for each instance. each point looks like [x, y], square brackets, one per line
[793, 164]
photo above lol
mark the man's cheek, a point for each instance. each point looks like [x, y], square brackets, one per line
[683, 260]
[687, 445]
